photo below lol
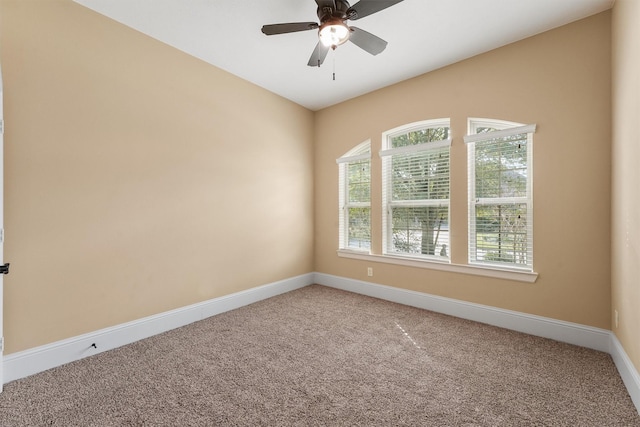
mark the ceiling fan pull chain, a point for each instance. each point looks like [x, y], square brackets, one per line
[334, 65]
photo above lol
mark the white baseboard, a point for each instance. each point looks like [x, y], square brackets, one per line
[626, 369]
[22, 364]
[572, 333]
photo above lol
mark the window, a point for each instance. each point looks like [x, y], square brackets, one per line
[415, 174]
[500, 193]
[355, 198]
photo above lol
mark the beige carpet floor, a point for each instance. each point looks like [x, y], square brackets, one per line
[323, 357]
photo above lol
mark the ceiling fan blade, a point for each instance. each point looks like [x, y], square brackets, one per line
[367, 41]
[318, 55]
[368, 7]
[290, 27]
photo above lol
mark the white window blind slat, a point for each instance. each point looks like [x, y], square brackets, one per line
[418, 203]
[501, 200]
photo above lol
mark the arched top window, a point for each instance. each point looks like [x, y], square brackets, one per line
[358, 150]
[412, 134]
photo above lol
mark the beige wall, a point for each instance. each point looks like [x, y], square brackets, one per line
[138, 179]
[625, 250]
[559, 80]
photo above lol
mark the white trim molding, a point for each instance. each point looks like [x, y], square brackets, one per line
[474, 270]
[24, 363]
[627, 371]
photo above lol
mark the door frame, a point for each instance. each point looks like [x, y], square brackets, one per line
[1, 226]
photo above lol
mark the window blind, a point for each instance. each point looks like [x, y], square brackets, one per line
[500, 197]
[416, 196]
[355, 199]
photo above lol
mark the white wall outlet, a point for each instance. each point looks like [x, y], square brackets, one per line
[369, 271]
[616, 317]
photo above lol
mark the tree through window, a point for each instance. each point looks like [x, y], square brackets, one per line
[416, 190]
[500, 193]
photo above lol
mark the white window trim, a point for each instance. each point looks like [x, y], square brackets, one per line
[507, 129]
[474, 270]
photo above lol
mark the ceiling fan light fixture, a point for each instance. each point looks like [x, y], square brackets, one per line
[333, 33]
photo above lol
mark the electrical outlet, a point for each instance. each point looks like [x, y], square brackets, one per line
[616, 317]
[369, 271]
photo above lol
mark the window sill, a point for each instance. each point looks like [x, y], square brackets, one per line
[516, 275]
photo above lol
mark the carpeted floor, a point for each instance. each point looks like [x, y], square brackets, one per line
[323, 357]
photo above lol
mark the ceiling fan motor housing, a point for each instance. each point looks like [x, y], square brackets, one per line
[341, 11]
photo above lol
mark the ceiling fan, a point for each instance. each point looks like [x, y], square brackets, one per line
[333, 29]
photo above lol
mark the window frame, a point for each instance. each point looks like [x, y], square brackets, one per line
[387, 155]
[359, 153]
[503, 129]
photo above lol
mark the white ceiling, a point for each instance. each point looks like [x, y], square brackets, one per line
[423, 35]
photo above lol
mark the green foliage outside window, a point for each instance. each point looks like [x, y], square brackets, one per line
[501, 174]
[359, 192]
[419, 178]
